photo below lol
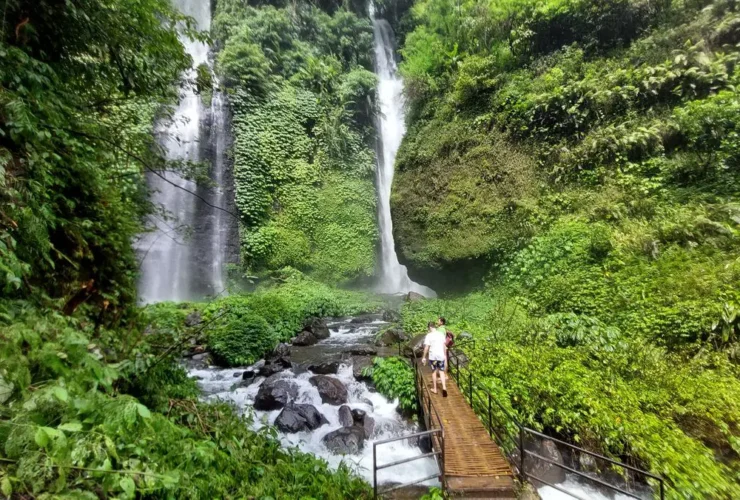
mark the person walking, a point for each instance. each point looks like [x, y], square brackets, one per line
[435, 349]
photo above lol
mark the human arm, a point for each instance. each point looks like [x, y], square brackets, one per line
[426, 353]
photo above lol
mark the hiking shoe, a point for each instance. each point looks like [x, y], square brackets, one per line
[444, 393]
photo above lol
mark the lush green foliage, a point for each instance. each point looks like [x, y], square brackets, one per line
[79, 87]
[581, 157]
[394, 378]
[302, 92]
[70, 426]
[242, 328]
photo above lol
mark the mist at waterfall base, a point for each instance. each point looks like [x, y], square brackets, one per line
[217, 384]
[393, 277]
[182, 258]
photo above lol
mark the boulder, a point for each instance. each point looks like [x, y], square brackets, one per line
[275, 393]
[305, 338]
[358, 416]
[587, 463]
[345, 416]
[364, 318]
[327, 368]
[414, 297]
[392, 336]
[358, 365]
[274, 366]
[363, 351]
[299, 417]
[415, 345]
[345, 440]
[204, 357]
[248, 376]
[193, 319]
[391, 316]
[317, 327]
[364, 421]
[543, 470]
[282, 350]
[331, 390]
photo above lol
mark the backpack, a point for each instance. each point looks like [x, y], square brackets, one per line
[449, 339]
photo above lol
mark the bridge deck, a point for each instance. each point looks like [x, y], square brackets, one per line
[474, 465]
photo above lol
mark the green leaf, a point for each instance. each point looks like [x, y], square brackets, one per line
[41, 437]
[5, 487]
[60, 393]
[128, 486]
[71, 427]
[143, 411]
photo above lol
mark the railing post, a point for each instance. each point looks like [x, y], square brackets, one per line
[662, 489]
[442, 434]
[470, 387]
[521, 451]
[375, 473]
[490, 421]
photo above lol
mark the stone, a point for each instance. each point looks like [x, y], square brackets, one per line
[317, 327]
[368, 425]
[299, 417]
[587, 463]
[358, 365]
[358, 416]
[193, 319]
[543, 470]
[282, 350]
[367, 402]
[274, 366]
[414, 297]
[345, 416]
[327, 368]
[331, 390]
[204, 356]
[248, 377]
[415, 346]
[305, 338]
[391, 316]
[392, 336]
[345, 440]
[363, 351]
[275, 393]
[364, 318]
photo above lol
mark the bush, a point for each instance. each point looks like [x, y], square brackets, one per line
[394, 379]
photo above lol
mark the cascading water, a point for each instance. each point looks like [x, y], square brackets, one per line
[183, 257]
[394, 277]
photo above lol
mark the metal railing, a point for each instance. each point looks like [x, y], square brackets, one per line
[435, 432]
[487, 408]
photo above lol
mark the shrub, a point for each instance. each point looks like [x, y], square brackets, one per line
[394, 378]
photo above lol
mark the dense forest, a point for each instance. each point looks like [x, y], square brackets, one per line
[569, 184]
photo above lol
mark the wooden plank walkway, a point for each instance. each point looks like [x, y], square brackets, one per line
[474, 466]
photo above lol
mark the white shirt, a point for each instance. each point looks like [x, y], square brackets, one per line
[436, 342]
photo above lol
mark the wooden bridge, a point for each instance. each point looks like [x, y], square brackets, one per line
[470, 463]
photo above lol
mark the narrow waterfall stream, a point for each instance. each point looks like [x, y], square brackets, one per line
[182, 259]
[394, 277]
[347, 338]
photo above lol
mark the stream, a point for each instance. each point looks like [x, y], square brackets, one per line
[346, 335]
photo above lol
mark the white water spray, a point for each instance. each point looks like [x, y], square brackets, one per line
[394, 277]
[182, 259]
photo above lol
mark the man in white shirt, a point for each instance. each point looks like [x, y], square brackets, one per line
[435, 349]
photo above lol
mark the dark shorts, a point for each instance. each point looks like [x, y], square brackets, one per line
[437, 365]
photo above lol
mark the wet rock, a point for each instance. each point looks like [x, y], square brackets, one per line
[317, 327]
[367, 402]
[275, 393]
[193, 319]
[364, 318]
[299, 417]
[345, 416]
[305, 338]
[543, 470]
[327, 368]
[358, 416]
[249, 375]
[415, 346]
[282, 350]
[274, 366]
[587, 463]
[391, 316]
[331, 390]
[202, 357]
[528, 492]
[391, 336]
[363, 351]
[358, 365]
[414, 297]
[368, 425]
[345, 441]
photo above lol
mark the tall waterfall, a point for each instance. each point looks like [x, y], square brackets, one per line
[182, 259]
[394, 277]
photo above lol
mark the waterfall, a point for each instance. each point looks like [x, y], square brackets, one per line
[182, 259]
[394, 277]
